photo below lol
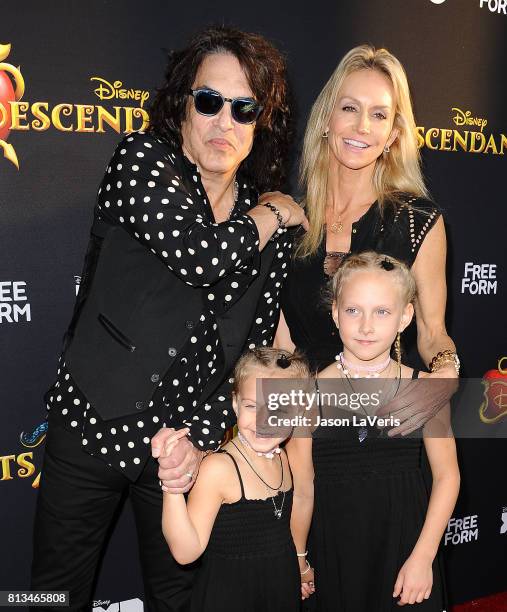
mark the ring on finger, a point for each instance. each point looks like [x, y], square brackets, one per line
[189, 474]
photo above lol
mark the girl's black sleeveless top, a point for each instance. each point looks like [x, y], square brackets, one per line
[249, 528]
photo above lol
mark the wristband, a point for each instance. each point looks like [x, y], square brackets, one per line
[309, 567]
[277, 213]
[444, 357]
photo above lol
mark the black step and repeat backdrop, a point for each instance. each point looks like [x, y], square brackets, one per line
[74, 76]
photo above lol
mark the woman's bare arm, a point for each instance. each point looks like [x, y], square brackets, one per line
[429, 274]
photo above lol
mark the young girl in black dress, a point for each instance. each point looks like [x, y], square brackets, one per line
[239, 510]
[375, 531]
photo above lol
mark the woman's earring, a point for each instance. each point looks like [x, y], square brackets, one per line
[325, 134]
[397, 349]
[386, 149]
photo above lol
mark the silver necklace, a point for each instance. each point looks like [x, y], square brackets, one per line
[277, 489]
[235, 187]
[362, 432]
[235, 193]
[277, 511]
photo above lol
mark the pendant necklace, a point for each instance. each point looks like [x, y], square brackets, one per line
[371, 372]
[235, 187]
[337, 226]
[235, 192]
[277, 511]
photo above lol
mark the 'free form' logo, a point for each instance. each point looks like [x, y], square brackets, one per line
[462, 530]
[14, 305]
[479, 279]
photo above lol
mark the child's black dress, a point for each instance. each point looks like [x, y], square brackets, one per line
[370, 506]
[250, 564]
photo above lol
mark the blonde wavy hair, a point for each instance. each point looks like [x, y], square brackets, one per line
[370, 261]
[294, 365]
[396, 173]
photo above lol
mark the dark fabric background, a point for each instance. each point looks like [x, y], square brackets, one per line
[455, 57]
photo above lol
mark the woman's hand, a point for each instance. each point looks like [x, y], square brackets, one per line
[292, 213]
[414, 581]
[307, 579]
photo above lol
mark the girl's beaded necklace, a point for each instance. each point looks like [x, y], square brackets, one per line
[373, 371]
[277, 511]
[269, 455]
[369, 372]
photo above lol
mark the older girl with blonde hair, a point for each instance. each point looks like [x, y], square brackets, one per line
[376, 528]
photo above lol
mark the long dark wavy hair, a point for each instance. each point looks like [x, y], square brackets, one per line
[265, 70]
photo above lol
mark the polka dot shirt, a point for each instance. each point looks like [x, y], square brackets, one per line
[146, 191]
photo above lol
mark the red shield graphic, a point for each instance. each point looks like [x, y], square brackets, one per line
[494, 406]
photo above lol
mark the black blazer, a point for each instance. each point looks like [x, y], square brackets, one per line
[136, 317]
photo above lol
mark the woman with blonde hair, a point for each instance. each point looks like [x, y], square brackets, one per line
[364, 190]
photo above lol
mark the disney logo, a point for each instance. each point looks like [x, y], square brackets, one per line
[108, 91]
[466, 118]
[99, 602]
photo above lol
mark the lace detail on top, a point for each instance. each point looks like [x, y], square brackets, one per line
[332, 261]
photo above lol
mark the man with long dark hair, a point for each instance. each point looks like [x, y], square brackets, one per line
[183, 272]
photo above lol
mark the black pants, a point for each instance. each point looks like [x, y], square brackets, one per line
[78, 497]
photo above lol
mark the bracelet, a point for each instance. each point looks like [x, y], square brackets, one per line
[309, 567]
[302, 554]
[444, 357]
[277, 213]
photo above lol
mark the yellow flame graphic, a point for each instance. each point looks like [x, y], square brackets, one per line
[8, 149]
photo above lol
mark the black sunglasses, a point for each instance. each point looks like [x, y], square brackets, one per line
[210, 102]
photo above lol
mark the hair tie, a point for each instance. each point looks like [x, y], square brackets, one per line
[387, 265]
[283, 362]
